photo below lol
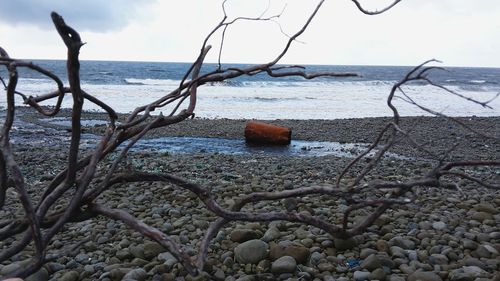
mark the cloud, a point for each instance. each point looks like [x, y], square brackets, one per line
[91, 15]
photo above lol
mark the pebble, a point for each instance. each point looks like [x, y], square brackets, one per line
[361, 275]
[271, 234]
[438, 259]
[439, 225]
[382, 246]
[242, 235]
[344, 244]
[378, 274]
[251, 251]
[285, 264]
[152, 249]
[41, 275]
[371, 263]
[366, 252]
[299, 252]
[316, 258]
[70, 276]
[326, 267]
[468, 273]
[424, 275]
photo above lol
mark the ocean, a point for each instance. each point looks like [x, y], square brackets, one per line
[126, 85]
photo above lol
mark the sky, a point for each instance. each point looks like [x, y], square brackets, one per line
[457, 32]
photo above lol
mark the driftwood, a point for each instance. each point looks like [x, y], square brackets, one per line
[37, 223]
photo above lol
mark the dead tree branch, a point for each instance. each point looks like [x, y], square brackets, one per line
[82, 182]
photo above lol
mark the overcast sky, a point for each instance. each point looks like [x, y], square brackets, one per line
[458, 32]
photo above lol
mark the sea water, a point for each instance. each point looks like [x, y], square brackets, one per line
[126, 85]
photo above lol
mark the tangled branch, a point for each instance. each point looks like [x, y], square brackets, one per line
[79, 185]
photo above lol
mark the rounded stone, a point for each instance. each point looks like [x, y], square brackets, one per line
[342, 245]
[424, 275]
[438, 225]
[136, 274]
[285, 264]
[242, 235]
[251, 251]
[295, 250]
[371, 263]
[361, 275]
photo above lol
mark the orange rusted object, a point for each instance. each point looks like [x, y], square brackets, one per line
[262, 133]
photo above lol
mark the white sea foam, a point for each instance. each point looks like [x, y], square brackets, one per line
[149, 81]
[282, 100]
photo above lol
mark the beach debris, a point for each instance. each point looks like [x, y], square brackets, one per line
[263, 133]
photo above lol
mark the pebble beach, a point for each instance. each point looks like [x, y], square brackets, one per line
[442, 235]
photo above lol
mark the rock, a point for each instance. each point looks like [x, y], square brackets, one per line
[152, 249]
[243, 235]
[469, 244]
[343, 245]
[82, 258]
[137, 251]
[371, 263]
[297, 251]
[124, 254]
[470, 261]
[271, 234]
[481, 216]
[138, 262]
[382, 246]
[40, 275]
[395, 277]
[55, 267]
[424, 276]
[378, 274]
[366, 252]
[9, 268]
[316, 258]
[203, 276]
[438, 259]
[326, 266]
[467, 273]
[138, 274]
[219, 275]
[166, 257]
[397, 252]
[438, 225]
[263, 266]
[118, 273]
[486, 251]
[406, 244]
[251, 251]
[361, 275]
[245, 278]
[70, 276]
[285, 264]
[486, 207]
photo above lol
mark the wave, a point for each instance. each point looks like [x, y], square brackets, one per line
[36, 80]
[151, 82]
[294, 84]
[226, 83]
[272, 99]
[477, 81]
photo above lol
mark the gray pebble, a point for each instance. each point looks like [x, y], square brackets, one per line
[251, 251]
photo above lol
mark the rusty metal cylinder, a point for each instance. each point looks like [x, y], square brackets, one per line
[263, 133]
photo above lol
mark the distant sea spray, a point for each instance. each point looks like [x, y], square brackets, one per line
[126, 85]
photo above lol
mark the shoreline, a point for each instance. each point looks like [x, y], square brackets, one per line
[443, 133]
